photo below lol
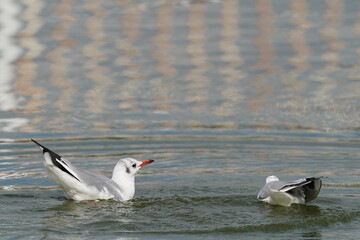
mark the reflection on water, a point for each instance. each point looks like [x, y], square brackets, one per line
[220, 93]
[11, 124]
[98, 66]
[10, 51]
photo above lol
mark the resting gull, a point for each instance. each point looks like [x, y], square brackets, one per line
[276, 192]
[83, 185]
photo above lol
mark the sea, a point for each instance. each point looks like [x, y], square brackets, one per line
[220, 93]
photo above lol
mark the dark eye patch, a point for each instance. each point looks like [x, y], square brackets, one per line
[134, 165]
[127, 170]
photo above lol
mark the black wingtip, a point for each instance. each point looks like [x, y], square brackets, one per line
[313, 178]
[37, 143]
[45, 149]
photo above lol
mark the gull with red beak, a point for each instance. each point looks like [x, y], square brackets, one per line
[81, 185]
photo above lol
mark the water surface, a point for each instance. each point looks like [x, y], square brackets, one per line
[221, 93]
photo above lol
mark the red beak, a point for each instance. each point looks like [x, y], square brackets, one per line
[146, 162]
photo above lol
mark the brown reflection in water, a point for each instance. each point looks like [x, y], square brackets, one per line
[27, 71]
[163, 86]
[300, 47]
[197, 83]
[333, 17]
[59, 63]
[96, 96]
[264, 45]
[356, 29]
[230, 91]
[131, 77]
[296, 35]
[127, 51]
[353, 89]
[161, 53]
[329, 35]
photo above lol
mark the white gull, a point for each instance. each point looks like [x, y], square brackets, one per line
[81, 185]
[276, 192]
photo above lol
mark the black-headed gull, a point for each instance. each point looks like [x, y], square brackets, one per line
[282, 193]
[83, 185]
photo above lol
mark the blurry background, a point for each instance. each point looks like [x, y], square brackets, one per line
[109, 66]
[220, 93]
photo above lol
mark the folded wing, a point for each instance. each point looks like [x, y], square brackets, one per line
[310, 187]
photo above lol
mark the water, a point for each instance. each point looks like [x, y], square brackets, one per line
[220, 93]
[201, 186]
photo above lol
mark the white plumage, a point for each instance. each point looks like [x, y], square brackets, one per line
[81, 185]
[276, 192]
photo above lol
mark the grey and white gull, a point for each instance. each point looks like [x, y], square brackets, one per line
[81, 185]
[276, 192]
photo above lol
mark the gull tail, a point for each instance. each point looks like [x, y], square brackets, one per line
[45, 150]
[52, 158]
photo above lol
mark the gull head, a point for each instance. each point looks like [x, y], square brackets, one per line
[130, 166]
[124, 175]
[272, 178]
